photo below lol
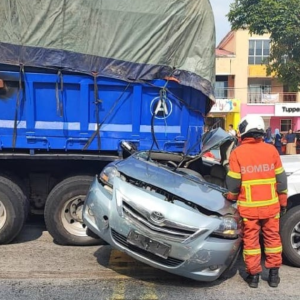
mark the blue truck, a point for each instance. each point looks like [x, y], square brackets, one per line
[67, 103]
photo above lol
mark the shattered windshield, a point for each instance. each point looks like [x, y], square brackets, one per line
[212, 140]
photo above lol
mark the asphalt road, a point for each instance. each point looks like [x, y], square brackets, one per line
[34, 267]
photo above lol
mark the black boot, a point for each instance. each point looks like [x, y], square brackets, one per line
[274, 278]
[253, 280]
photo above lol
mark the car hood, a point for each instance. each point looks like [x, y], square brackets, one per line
[184, 186]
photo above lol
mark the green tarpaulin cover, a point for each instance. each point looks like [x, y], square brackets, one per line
[124, 39]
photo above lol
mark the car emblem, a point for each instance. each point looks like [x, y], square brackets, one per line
[157, 217]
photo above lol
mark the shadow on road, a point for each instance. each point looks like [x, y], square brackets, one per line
[32, 229]
[124, 265]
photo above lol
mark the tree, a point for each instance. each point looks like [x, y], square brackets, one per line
[281, 19]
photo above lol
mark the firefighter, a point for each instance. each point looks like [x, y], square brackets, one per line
[257, 180]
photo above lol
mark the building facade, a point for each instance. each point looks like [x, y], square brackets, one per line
[241, 75]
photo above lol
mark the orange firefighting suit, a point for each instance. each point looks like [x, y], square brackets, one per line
[257, 180]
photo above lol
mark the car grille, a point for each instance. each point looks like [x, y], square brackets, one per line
[122, 240]
[169, 230]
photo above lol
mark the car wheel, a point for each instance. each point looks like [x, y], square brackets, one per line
[13, 210]
[63, 212]
[290, 236]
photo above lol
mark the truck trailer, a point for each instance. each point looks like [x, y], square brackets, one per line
[78, 79]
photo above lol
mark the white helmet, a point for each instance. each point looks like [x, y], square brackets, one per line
[252, 124]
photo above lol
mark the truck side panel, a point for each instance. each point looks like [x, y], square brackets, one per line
[61, 112]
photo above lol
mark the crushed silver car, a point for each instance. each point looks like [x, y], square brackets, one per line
[167, 210]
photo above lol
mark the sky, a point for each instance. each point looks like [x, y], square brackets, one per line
[220, 9]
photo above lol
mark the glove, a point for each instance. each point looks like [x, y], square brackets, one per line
[282, 211]
[282, 200]
[225, 195]
[229, 196]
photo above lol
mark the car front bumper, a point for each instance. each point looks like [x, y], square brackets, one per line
[202, 257]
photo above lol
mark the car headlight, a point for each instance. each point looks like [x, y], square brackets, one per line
[108, 175]
[228, 228]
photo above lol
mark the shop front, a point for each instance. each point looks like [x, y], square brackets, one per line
[279, 115]
[223, 113]
[282, 116]
[286, 116]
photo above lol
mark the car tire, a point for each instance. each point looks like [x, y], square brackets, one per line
[13, 210]
[63, 212]
[289, 224]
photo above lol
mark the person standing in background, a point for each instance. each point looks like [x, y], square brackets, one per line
[268, 137]
[291, 141]
[206, 128]
[205, 131]
[277, 141]
[239, 139]
[231, 131]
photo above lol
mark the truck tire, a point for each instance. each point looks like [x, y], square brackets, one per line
[24, 188]
[13, 210]
[290, 236]
[63, 212]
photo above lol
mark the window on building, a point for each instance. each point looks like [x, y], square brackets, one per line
[221, 87]
[257, 88]
[259, 51]
[285, 125]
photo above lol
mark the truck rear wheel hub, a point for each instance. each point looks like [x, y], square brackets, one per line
[2, 215]
[71, 216]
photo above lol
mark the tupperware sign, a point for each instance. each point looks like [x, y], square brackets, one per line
[287, 109]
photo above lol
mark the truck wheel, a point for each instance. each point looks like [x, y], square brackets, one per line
[13, 210]
[63, 212]
[290, 236]
[20, 183]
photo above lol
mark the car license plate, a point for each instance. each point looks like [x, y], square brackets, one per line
[145, 243]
